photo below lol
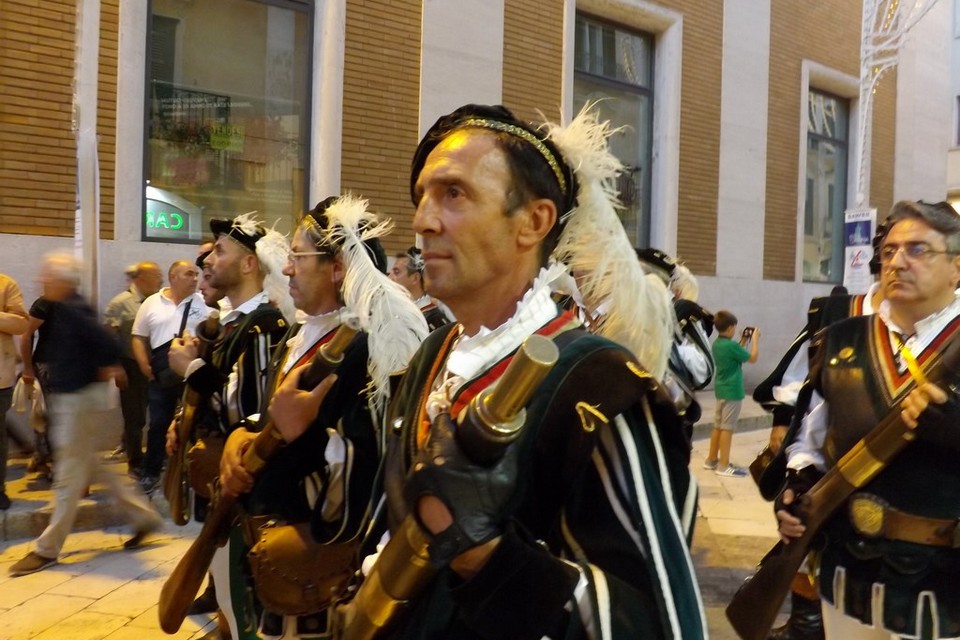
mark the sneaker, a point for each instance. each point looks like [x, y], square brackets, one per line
[710, 465]
[4, 501]
[149, 484]
[117, 454]
[731, 471]
[32, 563]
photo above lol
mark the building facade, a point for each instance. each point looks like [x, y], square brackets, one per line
[738, 122]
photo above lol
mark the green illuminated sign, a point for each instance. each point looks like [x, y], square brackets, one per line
[164, 220]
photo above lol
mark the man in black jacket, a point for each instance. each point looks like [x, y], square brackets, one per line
[84, 365]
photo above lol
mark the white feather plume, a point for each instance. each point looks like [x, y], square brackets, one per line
[595, 247]
[684, 284]
[247, 223]
[272, 250]
[394, 325]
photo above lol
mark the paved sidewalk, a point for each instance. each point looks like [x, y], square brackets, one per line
[97, 591]
[100, 591]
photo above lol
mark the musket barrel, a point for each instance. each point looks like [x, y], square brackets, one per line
[485, 428]
[494, 418]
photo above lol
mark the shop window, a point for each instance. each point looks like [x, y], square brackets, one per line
[826, 187]
[613, 66]
[227, 114]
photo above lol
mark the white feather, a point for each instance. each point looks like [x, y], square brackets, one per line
[684, 284]
[596, 248]
[394, 325]
[247, 223]
[272, 250]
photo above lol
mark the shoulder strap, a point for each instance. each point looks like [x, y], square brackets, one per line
[183, 320]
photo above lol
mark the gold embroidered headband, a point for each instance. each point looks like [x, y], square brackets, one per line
[523, 134]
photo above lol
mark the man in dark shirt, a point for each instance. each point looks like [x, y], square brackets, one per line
[407, 270]
[83, 364]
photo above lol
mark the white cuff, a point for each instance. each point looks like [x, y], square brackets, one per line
[192, 367]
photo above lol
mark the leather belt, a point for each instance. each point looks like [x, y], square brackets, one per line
[873, 517]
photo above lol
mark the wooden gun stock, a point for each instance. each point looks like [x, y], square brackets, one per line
[754, 607]
[182, 586]
[176, 482]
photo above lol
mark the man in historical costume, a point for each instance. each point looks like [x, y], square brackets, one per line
[245, 265]
[84, 365]
[119, 315]
[327, 476]
[889, 560]
[691, 363]
[781, 394]
[579, 530]
[407, 270]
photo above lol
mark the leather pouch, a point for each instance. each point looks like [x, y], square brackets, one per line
[203, 460]
[760, 464]
[295, 575]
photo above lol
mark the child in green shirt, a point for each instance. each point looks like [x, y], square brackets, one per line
[729, 357]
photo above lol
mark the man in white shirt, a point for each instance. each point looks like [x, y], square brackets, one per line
[162, 317]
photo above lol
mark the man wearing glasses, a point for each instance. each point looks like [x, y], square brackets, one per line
[888, 565]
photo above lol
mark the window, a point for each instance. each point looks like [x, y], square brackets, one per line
[826, 187]
[615, 66]
[227, 114]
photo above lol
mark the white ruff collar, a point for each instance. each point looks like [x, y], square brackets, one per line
[314, 328]
[474, 354]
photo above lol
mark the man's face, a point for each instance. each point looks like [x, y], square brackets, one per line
[400, 275]
[54, 288]
[183, 280]
[225, 263]
[925, 284]
[469, 242]
[149, 280]
[314, 280]
[211, 295]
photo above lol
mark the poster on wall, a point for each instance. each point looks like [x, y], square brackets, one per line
[859, 226]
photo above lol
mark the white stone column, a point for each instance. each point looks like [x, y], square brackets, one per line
[741, 196]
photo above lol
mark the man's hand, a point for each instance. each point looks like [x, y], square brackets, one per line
[115, 373]
[777, 434]
[173, 439]
[918, 400]
[28, 376]
[790, 525]
[234, 478]
[292, 410]
[435, 516]
[183, 351]
[462, 504]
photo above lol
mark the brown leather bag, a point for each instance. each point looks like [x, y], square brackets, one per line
[295, 575]
[203, 461]
[760, 464]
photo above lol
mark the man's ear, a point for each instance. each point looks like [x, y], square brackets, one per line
[338, 271]
[539, 217]
[249, 263]
[956, 271]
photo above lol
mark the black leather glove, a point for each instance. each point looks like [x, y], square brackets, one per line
[476, 496]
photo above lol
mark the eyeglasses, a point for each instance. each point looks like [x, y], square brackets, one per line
[293, 256]
[912, 252]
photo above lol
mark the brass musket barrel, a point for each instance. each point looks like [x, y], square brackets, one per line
[488, 425]
[495, 417]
